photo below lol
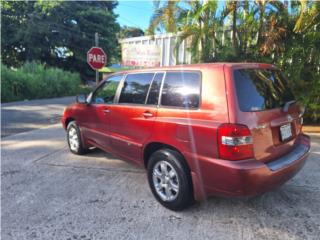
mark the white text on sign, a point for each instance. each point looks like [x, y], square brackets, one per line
[97, 58]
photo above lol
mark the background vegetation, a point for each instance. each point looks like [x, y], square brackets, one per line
[34, 80]
[57, 34]
[284, 33]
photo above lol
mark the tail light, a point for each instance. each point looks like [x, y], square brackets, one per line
[234, 142]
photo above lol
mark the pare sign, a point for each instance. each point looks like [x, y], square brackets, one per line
[96, 58]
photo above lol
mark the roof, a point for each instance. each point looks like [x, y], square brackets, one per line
[199, 66]
[113, 69]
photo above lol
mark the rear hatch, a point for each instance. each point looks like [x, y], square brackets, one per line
[266, 105]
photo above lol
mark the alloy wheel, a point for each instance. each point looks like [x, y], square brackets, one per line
[73, 139]
[165, 180]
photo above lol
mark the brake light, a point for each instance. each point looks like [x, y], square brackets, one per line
[234, 142]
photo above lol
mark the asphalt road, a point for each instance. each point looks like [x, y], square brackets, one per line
[17, 117]
[49, 193]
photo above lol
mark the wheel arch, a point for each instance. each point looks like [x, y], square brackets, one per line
[68, 120]
[154, 146]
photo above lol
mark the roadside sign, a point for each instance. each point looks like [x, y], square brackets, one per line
[96, 58]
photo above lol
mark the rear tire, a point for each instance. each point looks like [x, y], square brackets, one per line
[169, 179]
[74, 139]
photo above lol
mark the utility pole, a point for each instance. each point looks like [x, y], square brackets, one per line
[96, 40]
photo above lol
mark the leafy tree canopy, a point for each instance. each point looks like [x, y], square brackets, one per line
[285, 33]
[57, 33]
[128, 32]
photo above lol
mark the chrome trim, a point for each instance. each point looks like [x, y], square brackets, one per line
[155, 73]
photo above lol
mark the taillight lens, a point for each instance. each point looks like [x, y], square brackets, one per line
[234, 142]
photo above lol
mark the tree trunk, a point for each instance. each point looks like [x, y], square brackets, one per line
[260, 31]
[234, 28]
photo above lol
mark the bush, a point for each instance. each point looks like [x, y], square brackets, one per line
[34, 81]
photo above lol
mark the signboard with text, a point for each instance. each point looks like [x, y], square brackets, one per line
[140, 55]
[96, 58]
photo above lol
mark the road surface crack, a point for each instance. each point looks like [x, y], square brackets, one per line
[95, 168]
[48, 154]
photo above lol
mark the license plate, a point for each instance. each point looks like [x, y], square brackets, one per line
[285, 132]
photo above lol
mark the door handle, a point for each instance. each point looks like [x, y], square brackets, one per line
[147, 114]
[106, 110]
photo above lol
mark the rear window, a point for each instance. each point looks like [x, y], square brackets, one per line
[181, 89]
[261, 89]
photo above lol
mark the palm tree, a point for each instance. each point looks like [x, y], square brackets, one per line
[231, 9]
[165, 16]
[198, 23]
[308, 17]
[274, 30]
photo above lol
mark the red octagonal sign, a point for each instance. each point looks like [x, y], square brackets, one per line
[96, 58]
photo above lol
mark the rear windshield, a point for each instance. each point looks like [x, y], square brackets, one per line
[261, 89]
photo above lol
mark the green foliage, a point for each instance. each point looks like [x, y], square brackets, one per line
[128, 32]
[283, 33]
[58, 33]
[199, 24]
[34, 81]
[165, 16]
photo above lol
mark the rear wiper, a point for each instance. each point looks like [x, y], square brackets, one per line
[287, 105]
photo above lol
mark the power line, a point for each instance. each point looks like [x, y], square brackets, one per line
[57, 25]
[70, 30]
[138, 8]
[129, 21]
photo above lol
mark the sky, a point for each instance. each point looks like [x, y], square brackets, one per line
[134, 13]
[138, 13]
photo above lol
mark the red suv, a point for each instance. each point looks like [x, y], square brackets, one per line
[208, 129]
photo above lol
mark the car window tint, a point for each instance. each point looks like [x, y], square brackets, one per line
[135, 88]
[107, 92]
[181, 89]
[261, 89]
[155, 89]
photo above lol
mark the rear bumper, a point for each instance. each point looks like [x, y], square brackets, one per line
[248, 177]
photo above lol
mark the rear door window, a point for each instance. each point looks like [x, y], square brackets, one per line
[135, 88]
[181, 89]
[261, 89]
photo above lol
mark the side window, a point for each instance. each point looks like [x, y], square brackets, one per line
[181, 89]
[135, 88]
[155, 89]
[107, 92]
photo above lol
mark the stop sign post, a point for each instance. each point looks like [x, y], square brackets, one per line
[96, 58]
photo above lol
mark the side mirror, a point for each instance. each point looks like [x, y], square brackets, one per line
[82, 98]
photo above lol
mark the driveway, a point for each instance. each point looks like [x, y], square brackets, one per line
[24, 116]
[49, 193]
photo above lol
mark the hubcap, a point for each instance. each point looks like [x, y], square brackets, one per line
[165, 181]
[73, 139]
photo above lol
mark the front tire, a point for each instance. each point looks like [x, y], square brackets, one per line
[169, 179]
[74, 139]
